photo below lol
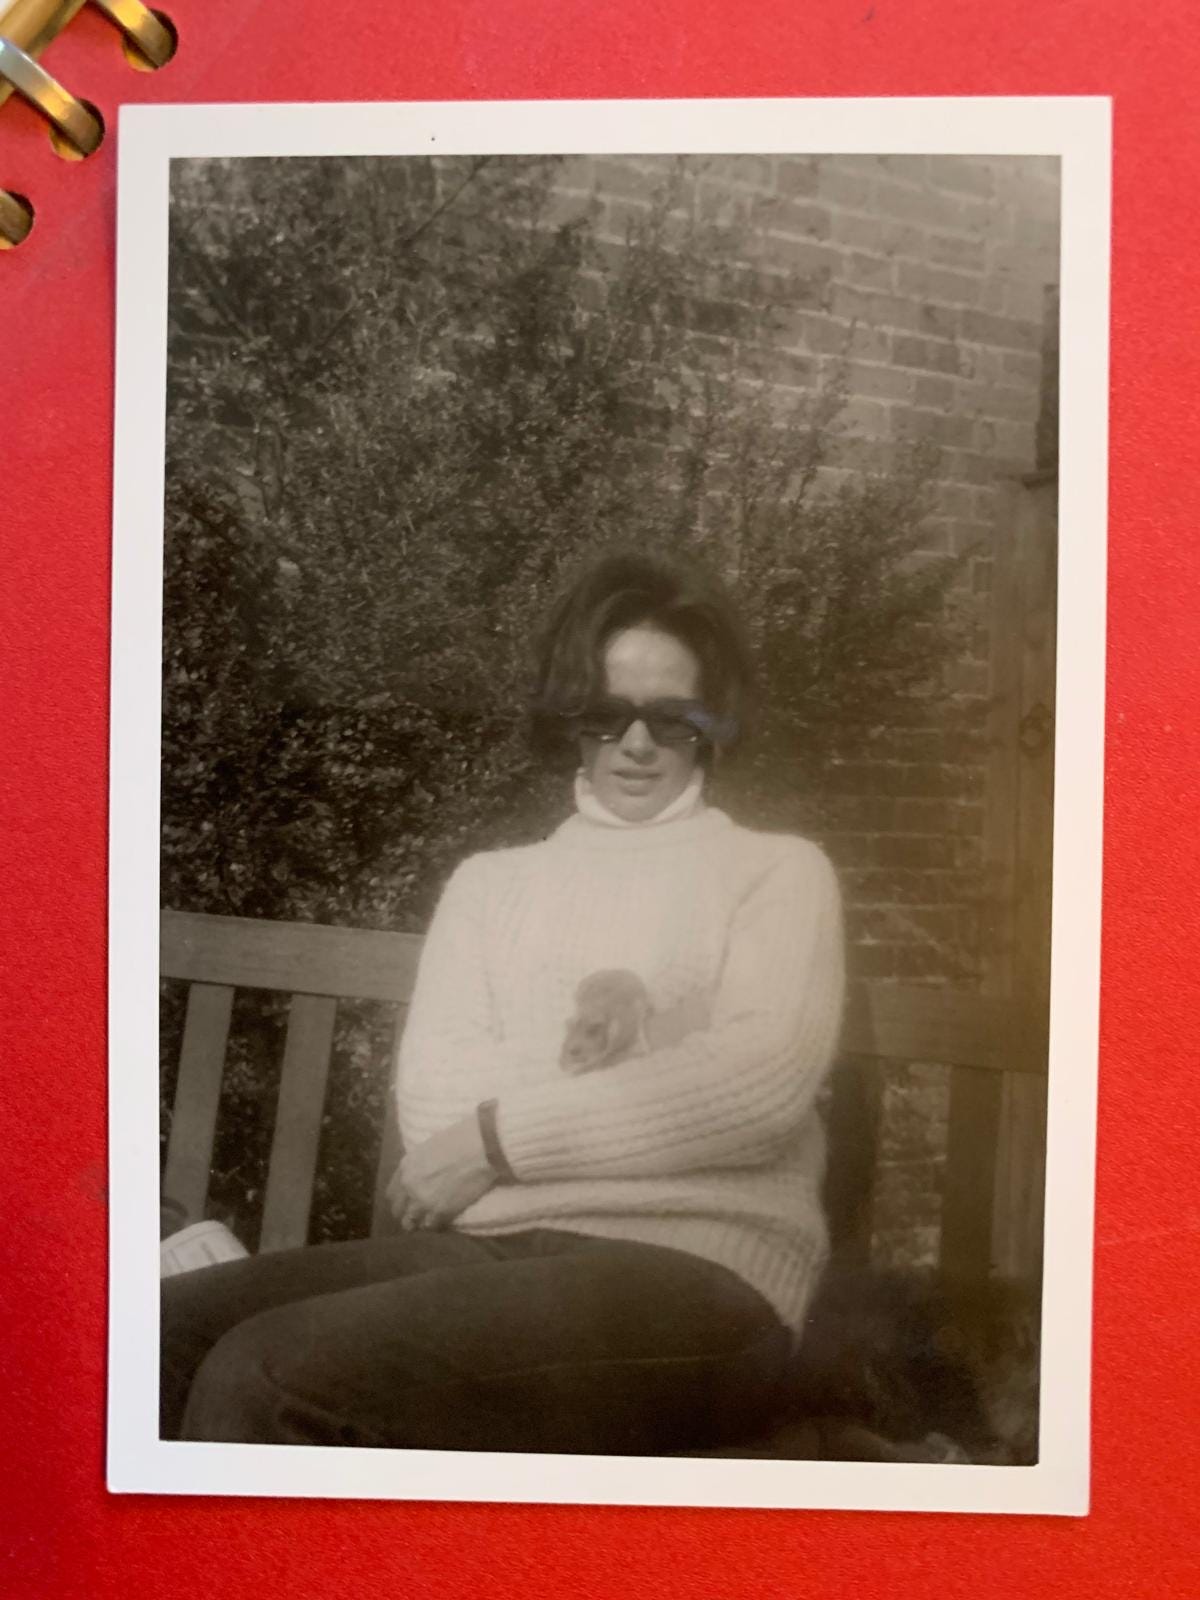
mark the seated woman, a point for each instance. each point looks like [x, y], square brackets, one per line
[607, 1261]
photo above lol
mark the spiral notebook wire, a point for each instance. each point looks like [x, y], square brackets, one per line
[76, 126]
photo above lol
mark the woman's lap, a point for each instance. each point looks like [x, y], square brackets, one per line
[538, 1342]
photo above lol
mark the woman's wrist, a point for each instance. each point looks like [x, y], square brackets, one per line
[492, 1148]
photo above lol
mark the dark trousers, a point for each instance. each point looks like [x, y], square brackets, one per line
[540, 1341]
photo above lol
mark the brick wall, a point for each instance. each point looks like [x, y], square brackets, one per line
[933, 278]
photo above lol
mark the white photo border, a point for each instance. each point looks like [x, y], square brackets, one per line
[1078, 130]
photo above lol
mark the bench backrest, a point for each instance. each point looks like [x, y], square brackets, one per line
[317, 966]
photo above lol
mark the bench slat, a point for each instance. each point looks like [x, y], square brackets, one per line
[855, 1113]
[1021, 1177]
[950, 1027]
[295, 957]
[197, 1096]
[298, 1122]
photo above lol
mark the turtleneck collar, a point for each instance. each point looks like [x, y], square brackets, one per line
[687, 821]
[689, 802]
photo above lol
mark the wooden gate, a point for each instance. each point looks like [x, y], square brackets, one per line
[993, 1205]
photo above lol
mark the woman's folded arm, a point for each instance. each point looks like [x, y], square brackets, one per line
[730, 1095]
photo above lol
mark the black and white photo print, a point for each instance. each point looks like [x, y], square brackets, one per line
[603, 1009]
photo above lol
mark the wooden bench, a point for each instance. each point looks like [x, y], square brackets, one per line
[992, 1188]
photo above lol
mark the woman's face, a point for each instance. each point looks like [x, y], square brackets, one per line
[632, 776]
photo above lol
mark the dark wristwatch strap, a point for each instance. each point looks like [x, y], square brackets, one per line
[492, 1147]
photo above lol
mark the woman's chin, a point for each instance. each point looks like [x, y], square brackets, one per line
[634, 804]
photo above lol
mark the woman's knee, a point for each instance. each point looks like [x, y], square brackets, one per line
[243, 1393]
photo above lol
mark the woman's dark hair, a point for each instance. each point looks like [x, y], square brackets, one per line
[627, 591]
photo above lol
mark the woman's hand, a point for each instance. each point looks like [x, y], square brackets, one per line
[440, 1178]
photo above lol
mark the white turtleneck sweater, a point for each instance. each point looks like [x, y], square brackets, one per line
[713, 1145]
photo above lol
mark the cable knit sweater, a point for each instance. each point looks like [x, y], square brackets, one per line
[712, 1145]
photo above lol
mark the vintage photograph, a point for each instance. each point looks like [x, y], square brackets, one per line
[606, 833]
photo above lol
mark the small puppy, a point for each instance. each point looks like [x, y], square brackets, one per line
[615, 1019]
[612, 1014]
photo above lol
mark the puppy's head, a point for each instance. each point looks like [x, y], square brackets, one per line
[610, 1010]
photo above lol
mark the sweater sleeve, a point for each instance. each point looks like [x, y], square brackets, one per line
[732, 1095]
[452, 1053]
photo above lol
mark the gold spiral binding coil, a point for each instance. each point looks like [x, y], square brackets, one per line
[152, 40]
[26, 28]
[73, 119]
[16, 219]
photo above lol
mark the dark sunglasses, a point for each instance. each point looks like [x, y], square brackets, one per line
[667, 721]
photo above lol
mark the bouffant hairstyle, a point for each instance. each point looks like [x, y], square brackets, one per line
[631, 590]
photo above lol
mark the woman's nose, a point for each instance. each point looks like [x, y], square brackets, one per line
[637, 741]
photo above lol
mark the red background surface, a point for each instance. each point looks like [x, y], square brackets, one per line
[61, 1534]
